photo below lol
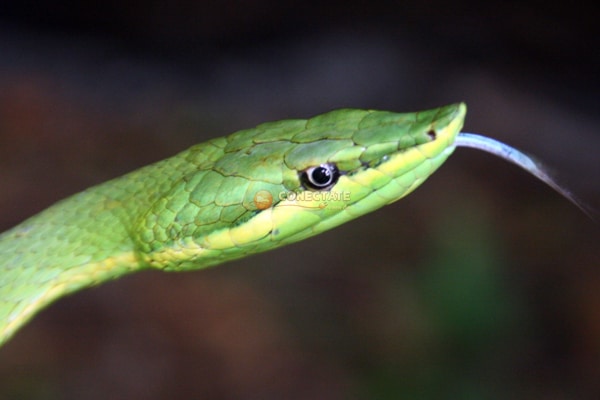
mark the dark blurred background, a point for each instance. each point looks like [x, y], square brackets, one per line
[483, 284]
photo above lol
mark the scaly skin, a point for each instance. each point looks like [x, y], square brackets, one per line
[217, 201]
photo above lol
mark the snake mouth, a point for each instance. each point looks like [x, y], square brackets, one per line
[436, 139]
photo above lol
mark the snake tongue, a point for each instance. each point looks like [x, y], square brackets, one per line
[524, 161]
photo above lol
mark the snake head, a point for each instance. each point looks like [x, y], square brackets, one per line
[284, 181]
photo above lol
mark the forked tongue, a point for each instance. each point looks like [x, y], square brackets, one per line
[524, 161]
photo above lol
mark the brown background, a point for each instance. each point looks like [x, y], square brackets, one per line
[482, 284]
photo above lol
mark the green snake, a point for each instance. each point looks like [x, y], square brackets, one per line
[230, 197]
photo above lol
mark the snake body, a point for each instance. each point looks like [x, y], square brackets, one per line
[230, 197]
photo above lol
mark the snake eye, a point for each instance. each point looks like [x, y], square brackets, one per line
[320, 177]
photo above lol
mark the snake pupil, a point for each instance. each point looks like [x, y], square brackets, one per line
[321, 177]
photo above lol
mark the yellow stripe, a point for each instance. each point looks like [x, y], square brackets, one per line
[67, 283]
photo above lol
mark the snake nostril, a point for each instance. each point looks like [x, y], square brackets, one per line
[432, 134]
